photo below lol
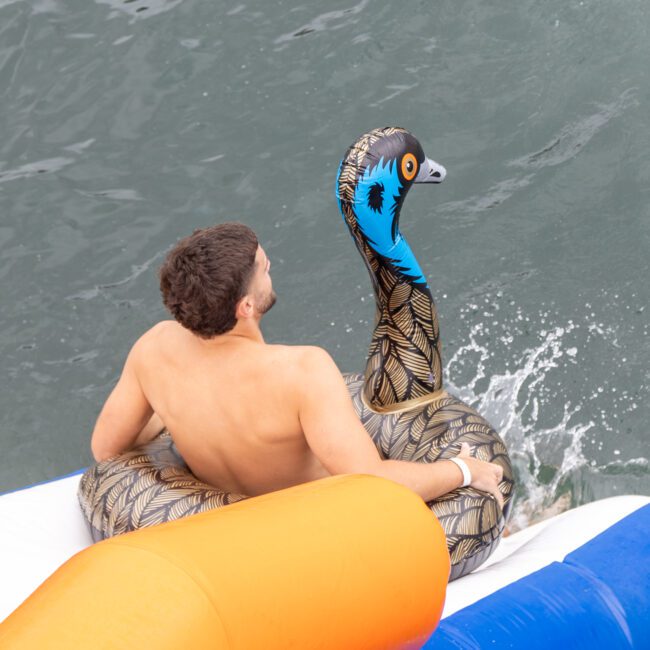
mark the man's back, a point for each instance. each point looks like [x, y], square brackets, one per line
[248, 417]
[231, 406]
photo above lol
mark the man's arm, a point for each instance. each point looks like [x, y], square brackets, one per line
[338, 439]
[127, 418]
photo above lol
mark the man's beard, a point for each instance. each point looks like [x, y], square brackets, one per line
[266, 303]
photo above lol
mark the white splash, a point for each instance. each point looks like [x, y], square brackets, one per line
[512, 403]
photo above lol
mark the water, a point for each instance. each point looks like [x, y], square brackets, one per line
[126, 125]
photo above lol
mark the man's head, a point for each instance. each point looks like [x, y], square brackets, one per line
[215, 277]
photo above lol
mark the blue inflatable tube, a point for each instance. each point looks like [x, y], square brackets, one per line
[597, 598]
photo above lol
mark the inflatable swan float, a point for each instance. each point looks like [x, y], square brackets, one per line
[400, 398]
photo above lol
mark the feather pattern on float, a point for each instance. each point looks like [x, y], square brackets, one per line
[400, 398]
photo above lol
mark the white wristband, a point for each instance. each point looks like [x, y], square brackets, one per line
[462, 466]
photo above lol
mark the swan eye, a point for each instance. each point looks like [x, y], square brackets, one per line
[409, 166]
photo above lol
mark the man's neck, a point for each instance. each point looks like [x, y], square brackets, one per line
[244, 330]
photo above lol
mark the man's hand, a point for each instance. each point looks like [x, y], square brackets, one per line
[485, 476]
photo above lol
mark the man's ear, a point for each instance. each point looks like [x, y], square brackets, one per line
[244, 308]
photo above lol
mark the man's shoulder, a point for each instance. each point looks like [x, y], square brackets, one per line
[153, 336]
[160, 328]
[304, 353]
[304, 361]
[300, 370]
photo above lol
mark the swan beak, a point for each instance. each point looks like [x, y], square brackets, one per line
[430, 172]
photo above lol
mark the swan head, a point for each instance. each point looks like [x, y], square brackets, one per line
[374, 177]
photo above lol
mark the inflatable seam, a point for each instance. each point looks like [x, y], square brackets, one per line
[184, 571]
[605, 593]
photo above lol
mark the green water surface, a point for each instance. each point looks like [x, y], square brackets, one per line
[126, 125]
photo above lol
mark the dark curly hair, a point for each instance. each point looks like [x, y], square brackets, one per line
[206, 274]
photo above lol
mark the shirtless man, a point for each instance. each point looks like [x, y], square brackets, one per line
[247, 416]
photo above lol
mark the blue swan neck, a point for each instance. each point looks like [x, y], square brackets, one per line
[376, 220]
[402, 257]
[404, 359]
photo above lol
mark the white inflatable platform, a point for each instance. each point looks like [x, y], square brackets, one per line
[578, 580]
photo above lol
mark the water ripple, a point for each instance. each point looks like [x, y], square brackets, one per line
[573, 137]
[328, 20]
[494, 196]
[141, 8]
[397, 89]
[136, 270]
[118, 194]
[34, 168]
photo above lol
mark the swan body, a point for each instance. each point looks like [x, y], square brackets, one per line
[400, 398]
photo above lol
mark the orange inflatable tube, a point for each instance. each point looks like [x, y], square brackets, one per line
[349, 562]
